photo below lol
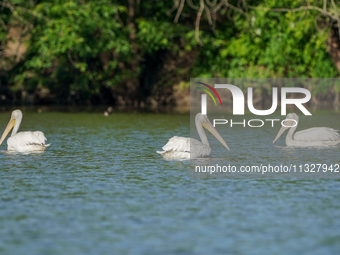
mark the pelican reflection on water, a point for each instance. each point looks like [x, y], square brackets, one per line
[23, 141]
[179, 147]
[317, 136]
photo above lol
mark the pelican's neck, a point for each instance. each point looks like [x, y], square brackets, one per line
[201, 132]
[291, 133]
[16, 125]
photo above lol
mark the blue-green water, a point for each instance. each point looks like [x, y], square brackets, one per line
[100, 188]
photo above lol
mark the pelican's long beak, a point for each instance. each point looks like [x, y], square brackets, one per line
[10, 125]
[207, 125]
[289, 124]
[282, 129]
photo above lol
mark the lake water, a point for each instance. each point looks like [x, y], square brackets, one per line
[101, 188]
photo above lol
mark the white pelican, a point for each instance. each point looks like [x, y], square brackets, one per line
[23, 141]
[317, 136]
[179, 147]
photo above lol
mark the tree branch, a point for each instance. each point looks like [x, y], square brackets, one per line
[176, 4]
[14, 12]
[179, 11]
[333, 15]
[197, 23]
[14, 9]
[192, 5]
[301, 8]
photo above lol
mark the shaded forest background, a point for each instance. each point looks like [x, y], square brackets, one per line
[142, 53]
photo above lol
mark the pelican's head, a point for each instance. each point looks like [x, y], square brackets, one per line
[16, 114]
[205, 122]
[291, 120]
[292, 116]
[15, 117]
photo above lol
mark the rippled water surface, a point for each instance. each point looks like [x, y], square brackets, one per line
[100, 188]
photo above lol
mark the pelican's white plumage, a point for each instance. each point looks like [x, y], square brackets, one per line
[23, 141]
[318, 136]
[179, 147]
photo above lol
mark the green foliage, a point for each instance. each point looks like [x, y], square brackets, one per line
[268, 44]
[78, 48]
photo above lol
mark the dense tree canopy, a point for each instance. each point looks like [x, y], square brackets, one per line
[134, 52]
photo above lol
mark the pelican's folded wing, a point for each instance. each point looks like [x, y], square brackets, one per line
[178, 143]
[28, 138]
[317, 134]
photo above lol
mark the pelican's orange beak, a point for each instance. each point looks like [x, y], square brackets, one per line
[8, 128]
